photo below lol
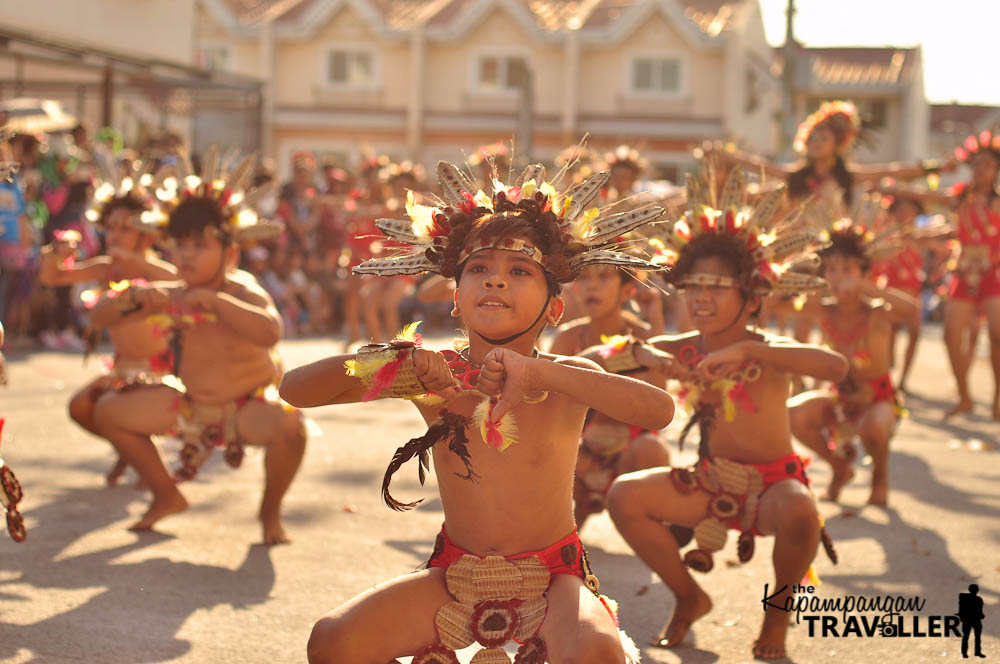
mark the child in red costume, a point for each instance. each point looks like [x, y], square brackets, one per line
[735, 378]
[508, 564]
[857, 322]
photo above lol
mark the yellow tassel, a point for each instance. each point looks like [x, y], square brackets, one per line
[812, 577]
[506, 427]
[724, 386]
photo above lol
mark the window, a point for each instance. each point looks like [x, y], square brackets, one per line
[873, 112]
[213, 57]
[350, 68]
[497, 73]
[659, 75]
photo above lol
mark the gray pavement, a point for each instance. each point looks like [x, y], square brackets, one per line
[84, 589]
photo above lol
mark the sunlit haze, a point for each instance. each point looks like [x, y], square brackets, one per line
[958, 38]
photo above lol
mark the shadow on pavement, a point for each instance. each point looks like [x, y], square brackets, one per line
[135, 609]
[908, 555]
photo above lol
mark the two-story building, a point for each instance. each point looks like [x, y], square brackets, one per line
[428, 79]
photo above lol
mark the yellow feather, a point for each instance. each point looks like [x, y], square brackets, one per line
[482, 200]
[364, 367]
[409, 333]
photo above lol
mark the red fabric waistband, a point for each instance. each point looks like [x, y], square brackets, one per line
[562, 557]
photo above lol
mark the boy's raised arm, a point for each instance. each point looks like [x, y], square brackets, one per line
[781, 354]
[321, 383]
[621, 398]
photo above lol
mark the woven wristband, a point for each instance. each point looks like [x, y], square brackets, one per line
[623, 361]
[389, 369]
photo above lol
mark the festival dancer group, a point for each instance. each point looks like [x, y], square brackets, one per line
[575, 424]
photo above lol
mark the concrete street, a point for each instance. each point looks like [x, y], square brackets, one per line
[84, 589]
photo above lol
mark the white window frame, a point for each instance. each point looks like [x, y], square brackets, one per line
[226, 48]
[505, 53]
[350, 47]
[682, 74]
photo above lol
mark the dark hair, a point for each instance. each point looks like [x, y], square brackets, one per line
[527, 218]
[130, 202]
[849, 245]
[729, 249]
[193, 215]
[798, 182]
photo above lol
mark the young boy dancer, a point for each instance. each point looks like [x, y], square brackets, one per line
[736, 381]
[608, 448]
[508, 563]
[228, 326]
[142, 352]
[857, 322]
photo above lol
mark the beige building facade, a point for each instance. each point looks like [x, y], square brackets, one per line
[429, 79]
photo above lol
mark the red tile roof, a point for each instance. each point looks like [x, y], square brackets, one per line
[710, 16]
[863, 66]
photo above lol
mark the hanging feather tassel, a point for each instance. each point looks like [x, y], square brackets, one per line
[498, 435]
[449, 426]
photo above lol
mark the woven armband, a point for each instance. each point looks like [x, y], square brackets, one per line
[387, 371]
[618, 355]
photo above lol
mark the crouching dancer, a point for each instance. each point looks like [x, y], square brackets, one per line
[735, 381]
[226, 327]
[508, 563]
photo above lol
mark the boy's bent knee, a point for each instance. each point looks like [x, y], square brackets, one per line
[328, 642]
[799, 517]
[623, 499]
[595, 649]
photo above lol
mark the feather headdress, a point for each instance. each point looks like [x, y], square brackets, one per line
[224, 186]
[626, 155]
[129, 181]
[775, 244]
[986, 141]
[868, 231]
[582, 234]
[840, 116]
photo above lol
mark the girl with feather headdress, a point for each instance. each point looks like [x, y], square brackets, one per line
[725, 256]
[504, 426]
[824, 141]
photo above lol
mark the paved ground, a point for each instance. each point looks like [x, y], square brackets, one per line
[84, 589]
